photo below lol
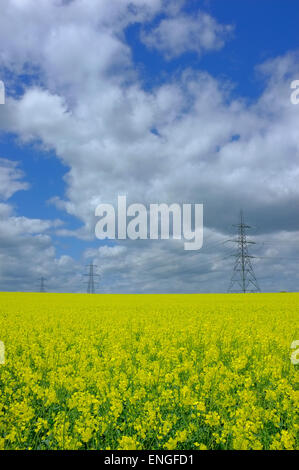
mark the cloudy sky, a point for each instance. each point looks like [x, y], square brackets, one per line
[164, 101]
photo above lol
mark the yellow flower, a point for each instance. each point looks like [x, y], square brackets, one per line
[161, 371]
[171, 444]
[127, 443]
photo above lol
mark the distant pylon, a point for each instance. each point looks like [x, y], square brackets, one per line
[243, 276]
[91, 275]
[42, 285]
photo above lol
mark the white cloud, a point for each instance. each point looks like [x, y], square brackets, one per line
[184, 33]
[111, 251]
[27, 253]
[107, 143]
[14, 225]
[26, 247]
[10, 179]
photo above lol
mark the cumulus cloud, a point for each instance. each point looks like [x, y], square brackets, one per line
[10, 179]
[59, 38]
[27, 252]
[111, 251]
[25, 258]
[206, 145]
[26, 246]
[184, 33]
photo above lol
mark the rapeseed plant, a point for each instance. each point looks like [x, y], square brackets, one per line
[148, 371]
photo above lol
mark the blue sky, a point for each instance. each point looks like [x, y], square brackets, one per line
[262, 30]
[169, 101]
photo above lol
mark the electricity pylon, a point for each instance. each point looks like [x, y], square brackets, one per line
[42, 285]
[243, 275]
[91, 275]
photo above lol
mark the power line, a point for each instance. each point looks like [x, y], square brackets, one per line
[276, 257]
[243, 275]
[220, 242]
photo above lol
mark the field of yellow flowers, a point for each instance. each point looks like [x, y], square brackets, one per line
[148, 371]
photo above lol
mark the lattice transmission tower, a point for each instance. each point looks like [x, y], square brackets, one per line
[42, 284]
[91, 276]
[243, 278]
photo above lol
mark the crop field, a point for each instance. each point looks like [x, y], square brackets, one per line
[148, 371]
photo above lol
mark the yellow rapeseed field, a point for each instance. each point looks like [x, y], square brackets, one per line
[148, 371]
